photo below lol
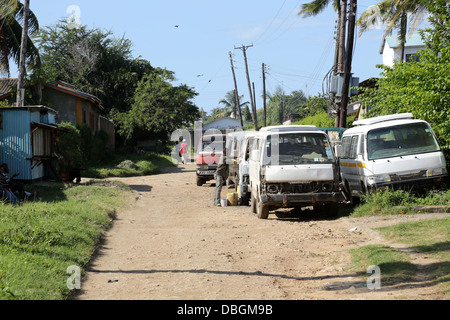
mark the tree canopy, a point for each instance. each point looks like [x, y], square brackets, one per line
[420, 87]
[93, 60]
[159, 108]
[11, 18]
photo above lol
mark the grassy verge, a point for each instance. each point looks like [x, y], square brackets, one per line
[395, 266]
[40, 240]
[130, 166]
[389, 202]
[431, 237]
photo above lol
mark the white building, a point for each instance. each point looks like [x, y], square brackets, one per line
[391, 50]
[223, 124]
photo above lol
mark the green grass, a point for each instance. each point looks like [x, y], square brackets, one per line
[431, 237]
[395, 266]
[389, 202]
[130, 166]
[42, 238]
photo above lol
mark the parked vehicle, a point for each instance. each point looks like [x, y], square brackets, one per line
[233, 145]
[238, 146]
[390, 151]
[209, 152]
[335, 134]
[293, 166]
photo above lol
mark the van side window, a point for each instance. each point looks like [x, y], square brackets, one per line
[346, 145]
[354, 147]
[361, 144]
[255, 146]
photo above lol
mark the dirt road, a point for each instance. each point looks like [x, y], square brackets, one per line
[173, 244]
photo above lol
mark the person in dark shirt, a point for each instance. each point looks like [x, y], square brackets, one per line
[221, 175]
[5, 188]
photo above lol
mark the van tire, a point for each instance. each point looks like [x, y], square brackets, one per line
[349, 192]
[262, 211]
[253, 203]
[200, 182]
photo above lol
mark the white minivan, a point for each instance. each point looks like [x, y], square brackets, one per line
[293, 166]
[238, 148]
[390, 151]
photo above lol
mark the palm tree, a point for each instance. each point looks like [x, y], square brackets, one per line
[317, 6]
[11, 18]
[231, 104]
[394, 13]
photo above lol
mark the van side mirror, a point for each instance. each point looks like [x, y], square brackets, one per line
[339, 150]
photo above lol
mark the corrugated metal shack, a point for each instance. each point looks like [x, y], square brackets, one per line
[27, 141]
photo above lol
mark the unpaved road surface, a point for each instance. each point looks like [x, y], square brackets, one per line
[173, 244]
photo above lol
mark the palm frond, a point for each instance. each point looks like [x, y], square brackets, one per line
[313, 8]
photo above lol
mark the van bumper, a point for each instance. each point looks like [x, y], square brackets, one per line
[416, 184]
[301, 198]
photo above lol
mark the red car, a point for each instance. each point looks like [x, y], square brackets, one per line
[209, 152]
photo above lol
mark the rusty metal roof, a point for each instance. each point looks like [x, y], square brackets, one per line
[6, 84]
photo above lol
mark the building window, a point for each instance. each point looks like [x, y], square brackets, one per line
[412, 57]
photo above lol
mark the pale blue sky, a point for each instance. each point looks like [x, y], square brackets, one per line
[297, 51]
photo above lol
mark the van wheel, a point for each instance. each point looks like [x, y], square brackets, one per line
[253, 203]
[349, 193]
[199, 182]
[262, 211]
[329, 210]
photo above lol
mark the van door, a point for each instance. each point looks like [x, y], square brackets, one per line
[352, 164]
[254, 163]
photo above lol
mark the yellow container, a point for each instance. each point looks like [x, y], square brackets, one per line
[232, 199]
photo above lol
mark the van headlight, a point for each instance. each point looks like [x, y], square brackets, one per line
[436, 172]
[372, 180]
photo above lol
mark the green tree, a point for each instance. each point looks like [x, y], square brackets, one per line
[94, 61]
[230, 103]
[11, 17]
[315, 7]
[280, 105]
[159, 108]
[420, 87]
[394, 14]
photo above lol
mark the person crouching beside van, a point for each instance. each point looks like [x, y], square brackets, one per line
[220, 176]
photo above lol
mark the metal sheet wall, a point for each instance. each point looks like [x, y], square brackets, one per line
[15, 142]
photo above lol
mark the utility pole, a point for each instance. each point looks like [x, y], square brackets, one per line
[342, 30]
[238, 103]
[348, 63]
[254, 102]
[340, 58]
[244, 50]
[23, 52]
[264, 94]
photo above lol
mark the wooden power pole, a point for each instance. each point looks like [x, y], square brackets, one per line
[23, 52]
[264, 94]
[252, 102]
[340, 55]
[348, 63]
[238, 103]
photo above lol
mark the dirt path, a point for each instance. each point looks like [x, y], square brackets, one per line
[173, 244]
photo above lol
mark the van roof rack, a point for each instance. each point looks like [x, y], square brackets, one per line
[287, 128]
[392, 117]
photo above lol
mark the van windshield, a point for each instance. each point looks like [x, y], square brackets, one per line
[408, 139]
[297, 148]
[215, 144]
